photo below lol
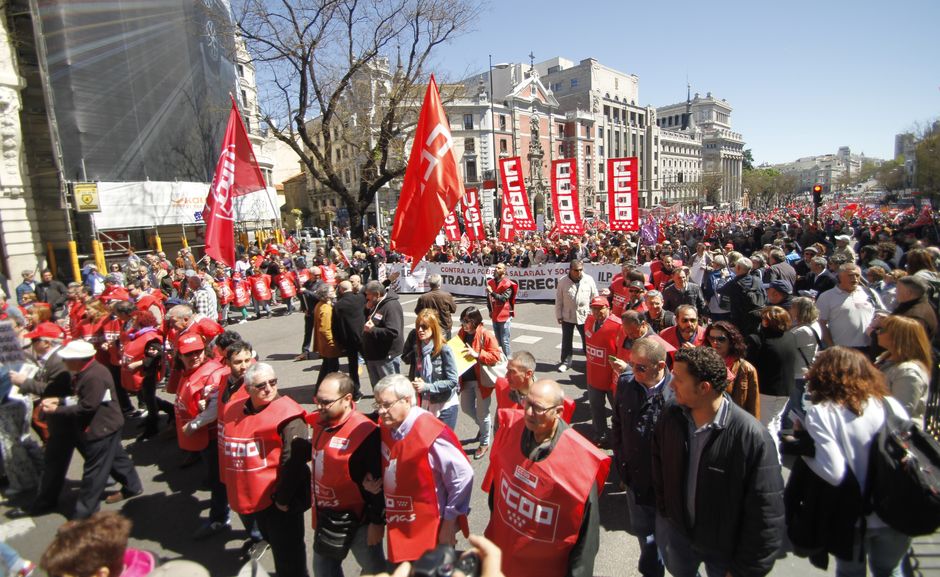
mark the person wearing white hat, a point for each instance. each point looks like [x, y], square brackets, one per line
[844, 248]
[94, 405]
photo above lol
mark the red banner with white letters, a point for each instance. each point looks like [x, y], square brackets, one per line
[623, 193]
[565, 204]
[507, 232]
[472, 217]
[514, 193]
[452, 227]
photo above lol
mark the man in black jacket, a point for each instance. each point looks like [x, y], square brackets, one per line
[746, 296]
[719, 491]
[94, 406]
[382, 340]
[639, 400]
[348, 320]
[52, 291]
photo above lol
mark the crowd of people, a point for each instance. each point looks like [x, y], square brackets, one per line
[712, 348]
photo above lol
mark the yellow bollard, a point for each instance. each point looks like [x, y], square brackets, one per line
[185, 241]
[157, 243]
[243, 239]
[98, 251]
[280, 235]
[73, 256]
[50, 258]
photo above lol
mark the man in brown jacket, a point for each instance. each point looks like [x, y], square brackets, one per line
[439, 300]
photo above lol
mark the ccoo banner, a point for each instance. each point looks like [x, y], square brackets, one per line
[623, 194]
[514, 193]
[565, 196]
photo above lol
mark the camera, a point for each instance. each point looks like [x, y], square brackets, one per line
[443, 561]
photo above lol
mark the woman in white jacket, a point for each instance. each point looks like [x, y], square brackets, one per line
[906, 362]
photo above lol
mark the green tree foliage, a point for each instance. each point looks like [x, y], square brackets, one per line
[928, 164]
[890, 174]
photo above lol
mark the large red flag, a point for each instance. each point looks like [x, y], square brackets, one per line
[236, 174]
[472, 217]
[622, 193]
[565, 197]
[514, 193]
[432, 182]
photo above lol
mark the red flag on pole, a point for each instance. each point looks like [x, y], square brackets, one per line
[236, 174]
[622, 193]
[514, 193]
[452, 227]
[472, 217]
[432, 182]
[565, 197]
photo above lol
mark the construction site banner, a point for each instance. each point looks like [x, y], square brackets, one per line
[126, 205]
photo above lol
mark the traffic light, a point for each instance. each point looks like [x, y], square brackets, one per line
[817, 194]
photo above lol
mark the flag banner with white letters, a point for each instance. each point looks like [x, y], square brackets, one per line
[535, 283]
[623, 194]
[472, 217]
[452, 227]
[514, 193]
[565, 197]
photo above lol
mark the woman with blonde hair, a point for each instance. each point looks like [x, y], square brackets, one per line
[848, 395]
[906, 362]
[433, 369]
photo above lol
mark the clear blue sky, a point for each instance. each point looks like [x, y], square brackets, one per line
[804, 77]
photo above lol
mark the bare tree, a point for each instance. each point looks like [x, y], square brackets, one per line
[335, 97]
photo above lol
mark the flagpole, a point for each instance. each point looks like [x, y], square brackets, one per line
[277, 213]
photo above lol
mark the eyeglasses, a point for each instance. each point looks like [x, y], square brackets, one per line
[638, 368]
[423, 328]
[324, 405]
[527, 404]
[385, 406]
[265, 384]
[718, 339]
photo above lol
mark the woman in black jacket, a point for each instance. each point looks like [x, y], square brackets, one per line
[773, 351]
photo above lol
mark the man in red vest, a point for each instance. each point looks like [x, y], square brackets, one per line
[520, 375]
[543, 480]
[197, 385]
[265, 468]
[501, 300]
[601, 330]
[346, 455]
[426, 476]
[687, 333]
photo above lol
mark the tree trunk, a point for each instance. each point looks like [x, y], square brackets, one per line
[355, 220]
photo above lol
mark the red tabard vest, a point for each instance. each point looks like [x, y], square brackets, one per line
[242, 292]
[331, 485]
[598, 345]
[285, 284]
[538, 506]
[187, 405]
[411, 510]
[303, 275]
[240, 394]
[329, 274]
[111, 334]
[501, 312]
[504, 401]
[133, 351]
[619, 296]
[76, 315]
[226, 295]
[671, 336]
[251, 452]
[260, 287]
[145, 301]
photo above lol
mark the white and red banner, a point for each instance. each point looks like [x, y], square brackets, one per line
[452, 227]
[432, 184]
[565, 197]
[236, 174]
[472, 216]
[514, 193]
[507, 232]
[623, 193]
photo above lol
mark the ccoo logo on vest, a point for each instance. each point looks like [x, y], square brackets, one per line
[244, 455]
[526, 513]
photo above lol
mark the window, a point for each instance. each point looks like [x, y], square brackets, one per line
[561, 151]
[561, 131]
[600, 132]
[241, 70]
[472, 171]
[469, 145]
[587, 150]
[600, 150]
[502, 122]
[574, 82]
[247, 120]
[468, 122]
[587, 169]
[503, 145]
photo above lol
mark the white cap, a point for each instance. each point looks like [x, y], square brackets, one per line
[77, 350]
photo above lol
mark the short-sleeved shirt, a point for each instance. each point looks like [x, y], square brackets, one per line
[847, 315]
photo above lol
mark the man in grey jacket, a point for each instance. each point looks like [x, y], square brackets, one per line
[572, 306]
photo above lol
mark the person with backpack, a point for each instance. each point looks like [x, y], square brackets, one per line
[746, 297]
[848, 395]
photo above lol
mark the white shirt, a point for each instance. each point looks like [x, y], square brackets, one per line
[847, 315]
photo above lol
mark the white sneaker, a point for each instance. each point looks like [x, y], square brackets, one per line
[563, 368]
[242, 322]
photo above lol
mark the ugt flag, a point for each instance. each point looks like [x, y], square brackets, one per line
[432, 182]
[236, 174]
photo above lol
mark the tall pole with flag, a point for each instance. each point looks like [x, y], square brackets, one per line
[236, 174]
[432, 184]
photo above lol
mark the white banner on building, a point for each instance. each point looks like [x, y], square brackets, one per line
[535, 283]
[127, 205]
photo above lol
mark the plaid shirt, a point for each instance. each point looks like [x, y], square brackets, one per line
[204, 303]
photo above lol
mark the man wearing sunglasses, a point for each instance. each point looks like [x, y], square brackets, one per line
[641, 395]
[264, 466]
[543, 481]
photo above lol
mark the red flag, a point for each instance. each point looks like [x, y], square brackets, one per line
[452, 227]
[925, 216]
[514, 193]
[565, 196]
[472, 217]
[623, 193]
[291, 245]
[342, 255]
[236, 174]
[507, 232]
[432, 184]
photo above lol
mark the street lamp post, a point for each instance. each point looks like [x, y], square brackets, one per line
[500, 66]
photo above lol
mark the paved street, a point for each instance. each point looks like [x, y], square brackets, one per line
[174, 504]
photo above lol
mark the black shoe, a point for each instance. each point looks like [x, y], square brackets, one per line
[32, 511]
[147, 434]
[603, 442]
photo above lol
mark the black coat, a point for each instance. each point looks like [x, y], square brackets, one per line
[348, 320]
[385, 340]
[774, 356]
[96, 409]
[739, 514]
[744, 315]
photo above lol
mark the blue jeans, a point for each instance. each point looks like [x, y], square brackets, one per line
[218, 500]
[885, 549]
[598, 400]
[10, 559]
[383, 368]
[501, 330]
[474, 405]
[643, 527]
[678, 556]
[251, 526]
[370, 559]
[448, 416]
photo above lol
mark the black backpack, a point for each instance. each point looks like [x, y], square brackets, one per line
[904, 476]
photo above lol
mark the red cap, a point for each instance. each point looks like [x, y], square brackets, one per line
[190, 343]
[46, 330]
[599, 302]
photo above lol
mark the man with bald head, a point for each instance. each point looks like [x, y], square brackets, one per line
[543, 481]
[348, 320]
